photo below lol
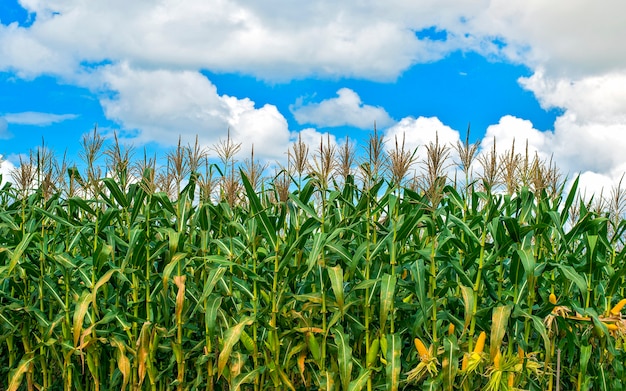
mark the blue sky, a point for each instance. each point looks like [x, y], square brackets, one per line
[550, 74]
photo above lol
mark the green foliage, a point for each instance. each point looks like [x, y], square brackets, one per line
[130, 287]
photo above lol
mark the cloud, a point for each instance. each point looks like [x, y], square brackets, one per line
[5, 170]
[4, 129]
[277, 41]
[28, 55]
[592, 150]
[600, 99]
[586, 40]
[159, 106]
[313, 138]
[346, 109]
[280, 40]
[421, 132]
[512, 133]
[590, 135]
[37, 118]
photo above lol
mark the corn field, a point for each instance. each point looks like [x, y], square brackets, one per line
[339, 272]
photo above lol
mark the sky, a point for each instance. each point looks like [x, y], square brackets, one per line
[550, 74]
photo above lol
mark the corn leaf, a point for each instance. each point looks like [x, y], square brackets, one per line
[387, 294]
[394, 351]
[231, 337]
[499, 321]
[344, 357]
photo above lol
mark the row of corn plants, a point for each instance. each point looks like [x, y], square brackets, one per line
[318, 278]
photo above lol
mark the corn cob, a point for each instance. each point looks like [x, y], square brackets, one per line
[421, 349]
[616, 311]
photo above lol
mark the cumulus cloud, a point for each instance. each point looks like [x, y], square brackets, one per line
[579, 67]
[5, 170]
[512, 133]
[346, 109]
[159, 106]
[600, 99]
[420, 132]
[590, 135]
[279, 40]
[28, 55]
[586, 38]
[282, 39]
[592, 150]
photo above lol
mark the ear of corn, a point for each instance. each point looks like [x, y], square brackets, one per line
[422, 351]
[552, 298]
[480, 343]
[496, 360]
[617, 309]
[373, 352]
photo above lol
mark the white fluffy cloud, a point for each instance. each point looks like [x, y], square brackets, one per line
[596, 98]
[589, 137]
[282, 39]
[590, 149]
[5, 170]
[346, 109]
[512, 133]
[25, 53]
[419, 133]
[571, 38]
[276, 40]
[159, 106]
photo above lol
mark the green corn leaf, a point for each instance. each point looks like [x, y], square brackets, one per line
[344, 357]
[266, 226]
[528, 260]
[394, 350]
[316, 250]
[459, 223]
[336, 280]
[79, 315]
[16, 255]
[468, 303]
[451, 349]
[360, 381]
[209, 284]
[338, 249]
[572, 275]
[169, 268]
[585, 355]
[231, 337]
[116, 192]
[101, 281]
[16, 375]
[387, 292]
[308, 210]
[246, 378]
[211, 309]
[58, 219]
[499, 321]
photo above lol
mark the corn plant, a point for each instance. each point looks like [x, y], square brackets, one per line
[204, 276]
